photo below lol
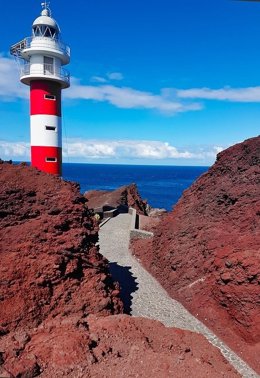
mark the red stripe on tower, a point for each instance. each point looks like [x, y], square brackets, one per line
[46, 132]
[47, 159]
[45, 98]
[43, 56]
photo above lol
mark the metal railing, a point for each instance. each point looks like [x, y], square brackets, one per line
[46, 70]
[16, 49]
[40, 42]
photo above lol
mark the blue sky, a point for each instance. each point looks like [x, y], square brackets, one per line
[153, 82]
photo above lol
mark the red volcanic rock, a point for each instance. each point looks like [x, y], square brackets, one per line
[138, 347]
[116, 346]
[55, 292]
[121, 198]
[206, 251]
[50, 265]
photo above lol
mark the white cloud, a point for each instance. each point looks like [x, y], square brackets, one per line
[98, 79]
[138, 149]
[169, 101]
[218, 149]
[208, 153]
[115, 76]
[85, 149]
[109, 77]
[128, 98]
[250, 94]
[10, 86]
[14, 150]
[93, 149]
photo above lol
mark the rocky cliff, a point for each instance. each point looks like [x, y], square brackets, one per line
[206, 252]
[121, 198]
[57, 297]
[49, 262]
[50, 266]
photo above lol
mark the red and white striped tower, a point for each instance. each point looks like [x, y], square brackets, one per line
[42, 56]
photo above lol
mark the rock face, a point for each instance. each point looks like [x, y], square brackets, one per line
[57, 297]
[206, 252]
[50, 266]
[49, 262]
[121, 198]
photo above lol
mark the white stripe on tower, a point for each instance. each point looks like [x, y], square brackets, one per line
[46, 130]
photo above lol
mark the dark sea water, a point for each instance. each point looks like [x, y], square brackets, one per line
[161, 186]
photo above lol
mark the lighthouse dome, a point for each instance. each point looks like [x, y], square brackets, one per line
[45, 22]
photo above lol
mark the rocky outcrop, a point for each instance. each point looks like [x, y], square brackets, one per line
[113, 347]
[206, 251]
[121, 199]
[138, 347]
[50, 265]
[49, 262]
[57, 297]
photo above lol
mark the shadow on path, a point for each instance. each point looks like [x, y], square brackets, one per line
[127, 284]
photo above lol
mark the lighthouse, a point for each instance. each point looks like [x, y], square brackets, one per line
[41, 58]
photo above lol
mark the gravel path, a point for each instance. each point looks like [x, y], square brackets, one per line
[144, 296]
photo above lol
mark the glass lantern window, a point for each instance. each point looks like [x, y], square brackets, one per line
[44, 31]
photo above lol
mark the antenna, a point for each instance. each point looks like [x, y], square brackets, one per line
[45, 4]
[46, 7]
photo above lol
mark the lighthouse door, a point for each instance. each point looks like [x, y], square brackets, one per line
[48, 66]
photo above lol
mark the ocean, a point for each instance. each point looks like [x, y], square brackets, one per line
[161, 186]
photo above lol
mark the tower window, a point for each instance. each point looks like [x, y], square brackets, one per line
[50, 128]
[50, 97]
[48, 64]
[51, 160]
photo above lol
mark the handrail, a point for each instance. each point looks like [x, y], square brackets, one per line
[47, 70]
[40, 41]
